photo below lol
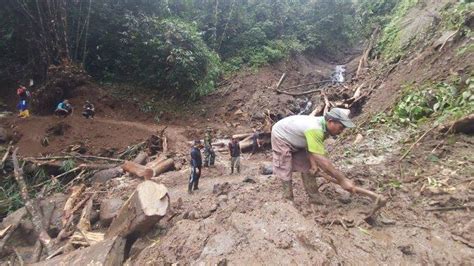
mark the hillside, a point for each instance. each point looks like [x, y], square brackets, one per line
[405, 87]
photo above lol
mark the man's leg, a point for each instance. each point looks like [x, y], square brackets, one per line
[282, 166]
[237, 164]
[196, 179]
[206, 157]
[232, 161]
[212, 157]
[191, 180]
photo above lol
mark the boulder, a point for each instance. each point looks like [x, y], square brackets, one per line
[109, 210]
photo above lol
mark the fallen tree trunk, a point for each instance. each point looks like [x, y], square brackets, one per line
[71, 201]
[246, 144]
[242, 136]
[464, 125]
[282, 78]
[138, 170]
[364, 60]
[32, 207]
[5, 156]
[84, 223]
[163, 167]
[104, 175]
[145, 207]
[109, 252]
[141, 158]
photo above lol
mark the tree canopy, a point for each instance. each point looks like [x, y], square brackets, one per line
[175, 46]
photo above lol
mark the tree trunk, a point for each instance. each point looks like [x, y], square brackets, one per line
[109, 252]
[104, 175]
[32, 207]
[163, 166]
[138, 170]
[145, 207]
[141, 158]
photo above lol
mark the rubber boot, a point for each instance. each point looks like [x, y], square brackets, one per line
[196, 185]
[190, 188]
[287, 190]
[310, 185]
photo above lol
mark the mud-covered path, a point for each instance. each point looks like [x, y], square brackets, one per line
[229, 220]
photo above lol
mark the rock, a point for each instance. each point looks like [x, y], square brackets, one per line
[214, 207]
[358, 139]
[266, 169]
[407, 249]
[221, 189]
[223, 198]
[109, 210]
[249, 179]
[3, 135]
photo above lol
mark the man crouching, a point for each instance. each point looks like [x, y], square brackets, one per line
[298, 146]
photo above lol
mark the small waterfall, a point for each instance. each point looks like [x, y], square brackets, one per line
[338, 75]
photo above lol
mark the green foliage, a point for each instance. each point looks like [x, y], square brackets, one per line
[454, 16]
[390, 45]
[67, 165]
[439, 101]
[374, 13]
[167, 54]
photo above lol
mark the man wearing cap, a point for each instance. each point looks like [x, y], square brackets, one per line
[298, 146]
[196, 164]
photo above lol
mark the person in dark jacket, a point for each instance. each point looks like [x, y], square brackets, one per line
[234, 150]
[196, 165]
[89, 110]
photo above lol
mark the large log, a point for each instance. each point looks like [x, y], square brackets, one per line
[109, 252]
[246, 144]
[163, 166]
[138, 170]
[104, 175]
[464, 125]
[141, 158]
[145, 207]
[71, 201]
[32, 207]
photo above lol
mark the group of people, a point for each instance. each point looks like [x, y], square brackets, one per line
[65, 109]
[297, 146]
[210, 156]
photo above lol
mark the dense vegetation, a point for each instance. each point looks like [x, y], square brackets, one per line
[177, 46]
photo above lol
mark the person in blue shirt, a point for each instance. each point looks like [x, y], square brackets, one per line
[196, 165]
[64, 109]
[23, 108]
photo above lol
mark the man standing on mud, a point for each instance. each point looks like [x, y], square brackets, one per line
[234, 150]
[209, 154]
[298, 146]
[196, 164]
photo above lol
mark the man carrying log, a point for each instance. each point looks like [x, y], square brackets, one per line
[234, 150]
[196, 164]
[209, 154]
[298, 145]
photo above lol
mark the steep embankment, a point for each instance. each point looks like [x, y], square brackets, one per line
[426, 174]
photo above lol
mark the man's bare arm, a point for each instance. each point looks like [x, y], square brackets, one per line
[319, 161]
